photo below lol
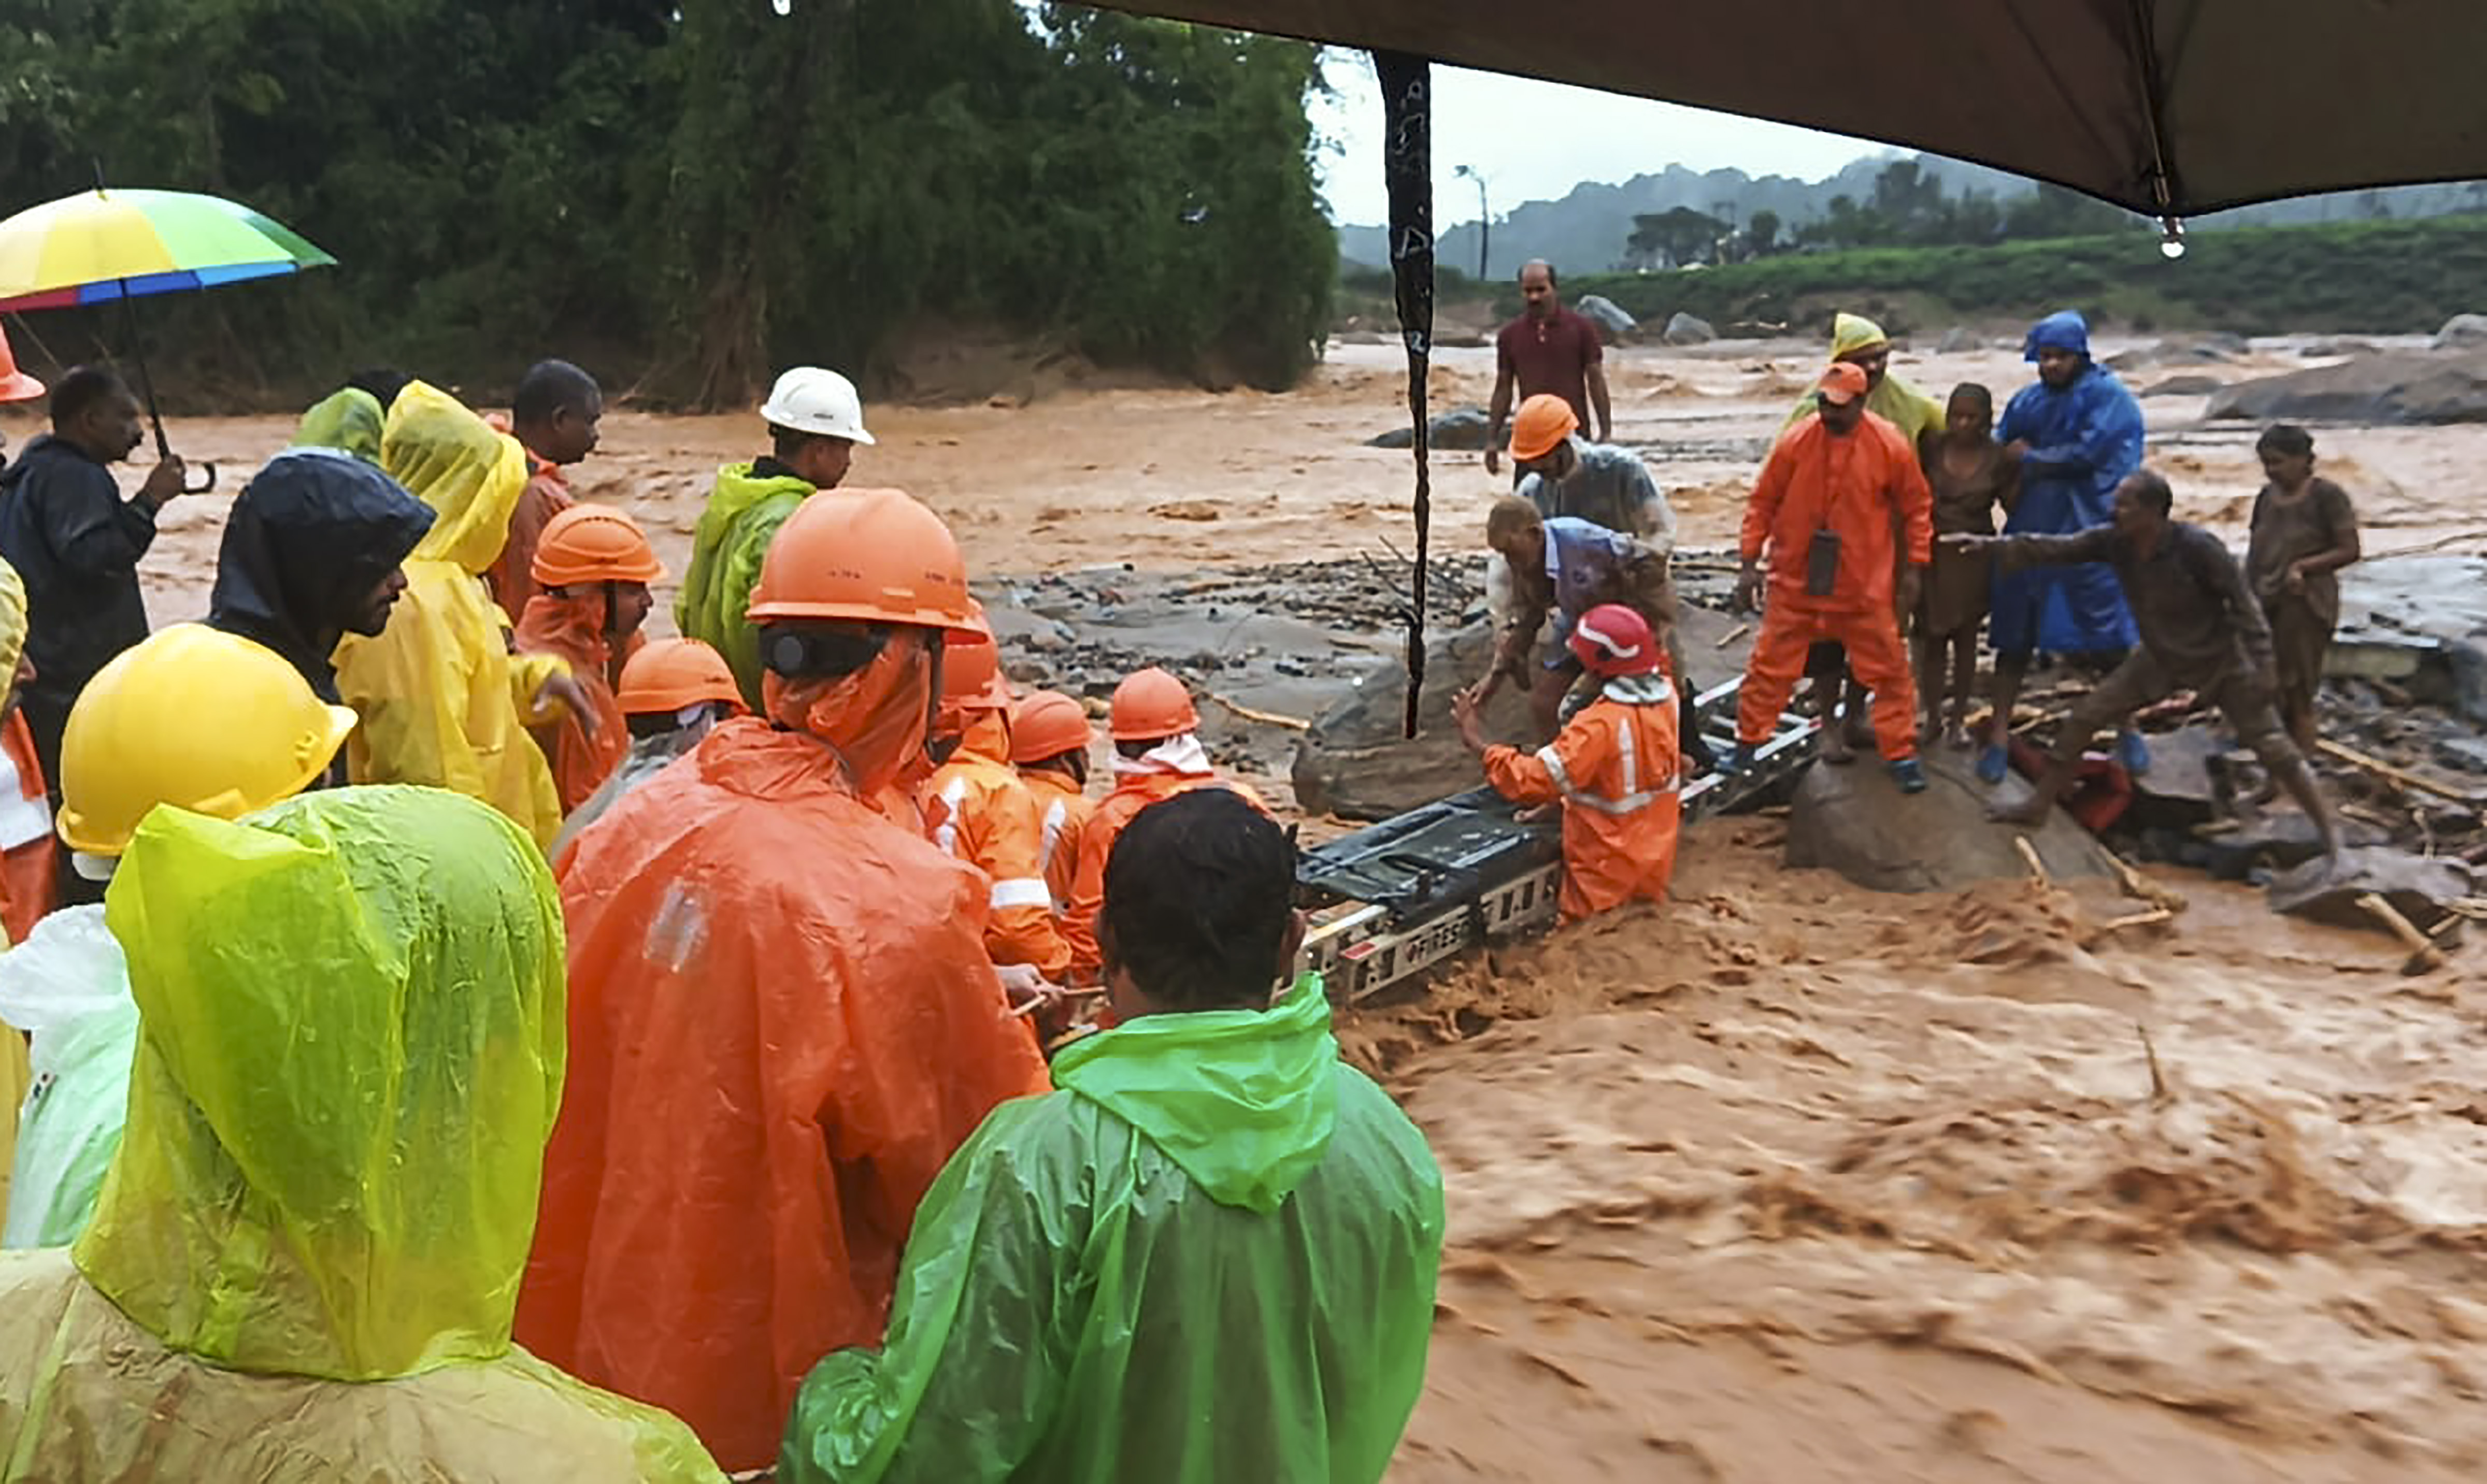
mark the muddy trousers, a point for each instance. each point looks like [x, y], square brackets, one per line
[2243, 696]
[1875, 654]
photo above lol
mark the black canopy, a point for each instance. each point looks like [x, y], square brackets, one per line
[2168, 107]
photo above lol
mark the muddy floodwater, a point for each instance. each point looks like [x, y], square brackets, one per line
[1790, 1181]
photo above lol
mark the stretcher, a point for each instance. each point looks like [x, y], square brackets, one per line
[1397, 900]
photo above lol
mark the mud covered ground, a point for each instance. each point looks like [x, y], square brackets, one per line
[1794, 1181]
[1791, 1181]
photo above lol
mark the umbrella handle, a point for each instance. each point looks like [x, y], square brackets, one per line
[204, 478]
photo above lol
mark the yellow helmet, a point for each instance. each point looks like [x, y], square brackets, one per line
[195, 717]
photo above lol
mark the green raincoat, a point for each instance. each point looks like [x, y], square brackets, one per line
[349, 421]
[1210, 1256]
[744, 513]
[306, 1254]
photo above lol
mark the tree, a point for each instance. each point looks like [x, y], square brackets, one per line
[1762, 230]
[1674, 238]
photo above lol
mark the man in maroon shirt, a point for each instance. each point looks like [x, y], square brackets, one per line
[1547, 348]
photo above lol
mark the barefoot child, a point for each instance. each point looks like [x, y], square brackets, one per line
[1971, 477]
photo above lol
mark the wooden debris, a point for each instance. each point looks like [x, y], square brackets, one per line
[2150, 1053]
[2030, 858]
[2141, 888]
[1264, 718]
[1732, 635]
[2424, 952]
[2401, 776]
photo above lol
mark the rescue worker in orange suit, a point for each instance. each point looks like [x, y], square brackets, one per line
[1049, 740]
[1841, 485]
[782, 1021]
[673, 693]
[29, 860]
[593, 567]
[1157, 755]
[1612, 767]
[984, 815]
[553, 416]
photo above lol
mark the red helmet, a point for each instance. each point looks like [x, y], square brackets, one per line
[1611, 640]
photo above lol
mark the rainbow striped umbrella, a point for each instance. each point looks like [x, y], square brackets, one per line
[102, 245]
[106, 244]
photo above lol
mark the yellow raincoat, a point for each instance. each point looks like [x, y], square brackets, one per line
[1895, 399]
[16, 1075]
[305, 1257]
[442, 699]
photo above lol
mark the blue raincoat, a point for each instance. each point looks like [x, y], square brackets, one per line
[2084, 439]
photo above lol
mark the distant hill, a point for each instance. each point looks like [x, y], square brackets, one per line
[1585, 230]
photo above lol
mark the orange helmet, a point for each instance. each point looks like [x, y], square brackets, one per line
[593, 544]
[1545, 421]
[971, 667]
[1151, 703]
[667, 675]
[1046, 725]
[1612, 640]
[876, 556]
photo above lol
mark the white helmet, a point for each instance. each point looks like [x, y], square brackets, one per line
[809, 400]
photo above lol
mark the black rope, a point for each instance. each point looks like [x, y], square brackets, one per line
[1408, 169]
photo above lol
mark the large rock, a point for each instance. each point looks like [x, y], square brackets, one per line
[1959, 340]
[1460, 431]
[2195, 384]
[2419, 887]
[1608, 315]
[2462, 332]
[2391, 389]
[1355, 763]
[1854, 820]
[1684, 329]
[2419, 621]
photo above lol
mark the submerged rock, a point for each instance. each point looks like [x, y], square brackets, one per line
[1689, 330]
[2410, 389]
[2419, 887]
[1461, 431]
[1854, 820]
[1356, 763]
[2462, 332]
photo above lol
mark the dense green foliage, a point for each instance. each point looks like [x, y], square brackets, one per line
[686, 198]
[2380, 277]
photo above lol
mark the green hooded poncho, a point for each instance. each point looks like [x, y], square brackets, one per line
[744, 513]
[1210, 1256]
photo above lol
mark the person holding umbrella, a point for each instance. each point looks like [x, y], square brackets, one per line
[67, 528]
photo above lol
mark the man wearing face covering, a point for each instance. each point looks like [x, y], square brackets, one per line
[315, 549]
[783, 1020]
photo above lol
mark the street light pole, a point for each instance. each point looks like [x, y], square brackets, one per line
[1485, 217]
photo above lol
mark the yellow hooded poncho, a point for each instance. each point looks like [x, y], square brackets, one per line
[351, 1057]
[442, 699]
[1895, 399]
[15, 1075]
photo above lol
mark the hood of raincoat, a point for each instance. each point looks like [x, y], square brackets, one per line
[1243, 1100]
[982, 733]
[309, 538]
[1850, 333]
[2062, 330]
[12, 623]
[350, 421]
[350, 1058]
[878, 717]
[453, 462]
[738, 489]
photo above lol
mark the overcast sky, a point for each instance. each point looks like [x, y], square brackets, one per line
[1534, 141]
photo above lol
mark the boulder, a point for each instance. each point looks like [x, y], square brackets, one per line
[1458, 431]
[1684, 329]
[2419, 887]
[1608, 315]
[1854, 820]
[2195, 385]
[2463, 332]
[2322, 349]
[1356, 763]
[2409, 389]
[1959, 340]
